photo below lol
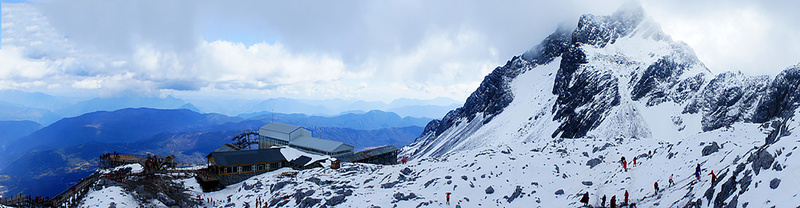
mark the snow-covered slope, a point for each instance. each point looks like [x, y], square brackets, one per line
[551, 174]
[552, 124]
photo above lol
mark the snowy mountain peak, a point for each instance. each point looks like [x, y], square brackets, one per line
[614, 76]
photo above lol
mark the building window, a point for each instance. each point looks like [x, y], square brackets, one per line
[230, 169]
[261, 167]
[247, 168]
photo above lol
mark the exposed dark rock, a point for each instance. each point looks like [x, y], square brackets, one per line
[163, 198]
[278, 186]
[430, 182]
[514, 195]
[726, 191]
[389, 185]
[711, 148]
[782, 96]
[489, 190]
[761, 160]
[464, 177]
[402, 197]
[406, 171]
[587, 183]
[729, 97]
[560, 192]
[335, 200]
[309, 202]
[734, 202]
[596, 149]
[594, 162]
[658, 78]
[584, 96]
[774, 183]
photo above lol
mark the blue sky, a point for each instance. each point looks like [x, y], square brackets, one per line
[367, 50]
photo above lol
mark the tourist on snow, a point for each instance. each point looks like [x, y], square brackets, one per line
[649, 154]
[626, 198]
[697, 172]
[613, 201]
[405, 159]
[634, 161]
[625, 166]
[671, 182]
[585, 199]
[633, 205]
[603, 201]
[713, 176]
[655, 185]
[448, 198]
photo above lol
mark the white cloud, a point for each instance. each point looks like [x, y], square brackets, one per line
[372, 50]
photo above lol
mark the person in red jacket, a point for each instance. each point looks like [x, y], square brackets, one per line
[625, 166]
[655, 185]
[613, 201]
[634, 161]
[626, 198]
[448, 198]
[713, 176]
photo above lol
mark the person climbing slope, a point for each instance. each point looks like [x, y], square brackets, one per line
[626, 198]
[697, 172]
[603, 201]
[585, 199]
[448, 198]
[625, 166]
[713, 177]
[613, 202]
[655, 186]
[671, 182]
[634, 161]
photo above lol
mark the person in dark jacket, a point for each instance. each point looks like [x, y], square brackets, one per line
[603, 201]
[697, 172]
[585, 199]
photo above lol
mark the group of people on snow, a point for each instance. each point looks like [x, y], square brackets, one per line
[613, 202]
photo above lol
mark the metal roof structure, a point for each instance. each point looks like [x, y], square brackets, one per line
[369, 153]
[279, 127]
[247, 156]
[227, 148]
[280, 131]
[301, 161]
[320, 144]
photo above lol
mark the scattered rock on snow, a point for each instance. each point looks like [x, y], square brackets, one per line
[774, 183]
[594, 162]
[587, 183]
[711, 148]
[560, 192]
[489, 190]
[406, 171]
[514, 195]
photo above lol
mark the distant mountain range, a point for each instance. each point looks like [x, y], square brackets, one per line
[46, 109]
[65, 151]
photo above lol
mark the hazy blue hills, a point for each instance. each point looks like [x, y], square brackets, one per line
[54, 157]
[13, 112]
[10, 131]
[374, 119]
[121, 126]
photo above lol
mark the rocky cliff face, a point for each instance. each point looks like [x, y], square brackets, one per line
[615, 76]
